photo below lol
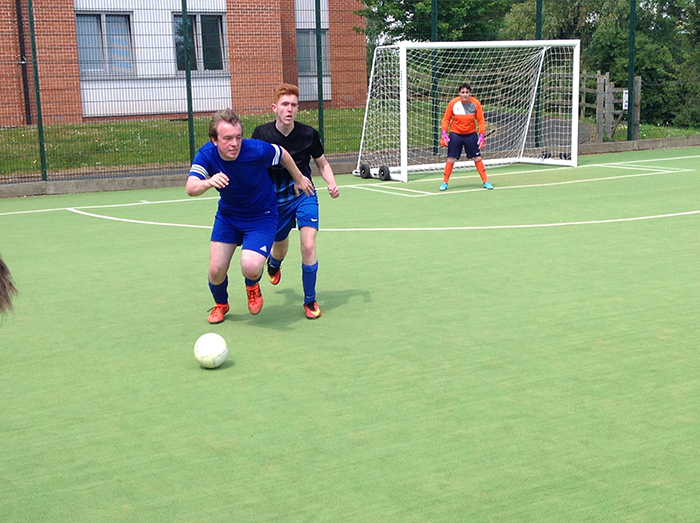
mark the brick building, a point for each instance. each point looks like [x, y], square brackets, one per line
[121, 59]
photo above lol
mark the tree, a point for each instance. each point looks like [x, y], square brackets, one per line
[664, 46]
[393, 20]
[388, 21]
[688, 114]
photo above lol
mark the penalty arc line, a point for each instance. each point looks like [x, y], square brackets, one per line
[109, 206]
[418, 229]
[522, 226]
[141, 222]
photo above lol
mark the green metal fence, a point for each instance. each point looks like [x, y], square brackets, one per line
[103, 93]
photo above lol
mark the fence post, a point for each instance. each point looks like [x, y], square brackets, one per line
[319, 67]
[631, 86]
[582, 98]
[188, 77]
[23, 63]
[636, 107]
[609, 105]
[599, 101]
[35, 67]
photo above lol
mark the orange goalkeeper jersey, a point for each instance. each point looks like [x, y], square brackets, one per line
[463, 118]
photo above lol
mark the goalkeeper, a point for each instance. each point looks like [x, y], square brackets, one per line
[464, 119]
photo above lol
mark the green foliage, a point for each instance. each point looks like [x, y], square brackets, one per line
[389, 21]
[667, 34]
[394, 20]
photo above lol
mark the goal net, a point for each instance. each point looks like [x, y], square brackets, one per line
[528, 90]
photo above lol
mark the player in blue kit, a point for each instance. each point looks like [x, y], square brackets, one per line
[303, 143]
[247, 212]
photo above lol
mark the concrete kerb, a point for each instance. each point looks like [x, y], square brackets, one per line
[639, 145]
[20, 189]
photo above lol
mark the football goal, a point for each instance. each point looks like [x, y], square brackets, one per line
[528, 89]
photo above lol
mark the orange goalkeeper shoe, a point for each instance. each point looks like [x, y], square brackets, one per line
[218, 312]
[255, 299]
[312, 310]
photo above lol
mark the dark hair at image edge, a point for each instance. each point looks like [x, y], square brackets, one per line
[7, 288]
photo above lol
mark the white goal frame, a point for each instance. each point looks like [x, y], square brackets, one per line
[547, 128]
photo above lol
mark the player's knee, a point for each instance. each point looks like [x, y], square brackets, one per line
[252, 267]
[308, 246]
[308, 254]
[217, 276]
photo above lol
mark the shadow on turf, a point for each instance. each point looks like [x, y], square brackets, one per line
[281, 317]
[225, 365]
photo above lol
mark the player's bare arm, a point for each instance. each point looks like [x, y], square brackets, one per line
[197, 187]
[327, 174]
[301, 182]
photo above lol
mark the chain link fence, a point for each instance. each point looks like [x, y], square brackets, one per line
[115, 89]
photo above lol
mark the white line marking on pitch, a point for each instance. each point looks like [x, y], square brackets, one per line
[524, 226]
[142, 222]
[111, 206]
[619, 165]
[391, 187]
[414, 229]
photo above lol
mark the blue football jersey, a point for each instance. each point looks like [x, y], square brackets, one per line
[250, 191]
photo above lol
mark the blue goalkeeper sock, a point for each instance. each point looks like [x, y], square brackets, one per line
[308, 280]
[220, 291]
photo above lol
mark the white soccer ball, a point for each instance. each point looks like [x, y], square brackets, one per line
[210, 350]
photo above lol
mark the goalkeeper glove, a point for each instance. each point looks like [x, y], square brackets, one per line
[481, 140]
[445, 139]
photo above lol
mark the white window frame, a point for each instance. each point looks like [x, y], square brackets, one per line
[198, 66]
[106, 48]
[312, 70]
[305, 22]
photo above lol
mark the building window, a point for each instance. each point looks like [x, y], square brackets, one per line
[206, 42]
[104, 44]
[307, 63]
[306, 15]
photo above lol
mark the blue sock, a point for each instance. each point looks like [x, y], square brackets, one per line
[274, 262]
[220, 291]
[308, 280]
[250, 283]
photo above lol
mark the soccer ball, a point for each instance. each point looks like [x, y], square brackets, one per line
[210, 350]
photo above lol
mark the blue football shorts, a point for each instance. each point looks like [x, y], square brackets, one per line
[252, 234]
[466, 141]
[301, 211]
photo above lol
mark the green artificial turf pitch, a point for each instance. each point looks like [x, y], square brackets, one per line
[525, 354]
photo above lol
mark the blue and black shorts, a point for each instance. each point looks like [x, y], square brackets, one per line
[302, 211]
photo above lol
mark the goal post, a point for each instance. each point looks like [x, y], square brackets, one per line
[529, 90]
